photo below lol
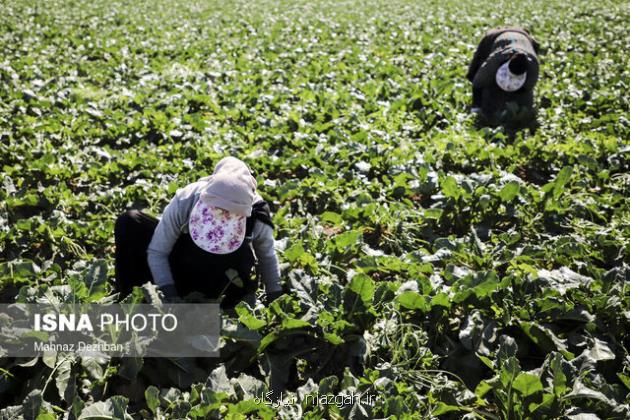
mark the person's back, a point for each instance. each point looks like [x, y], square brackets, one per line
[504, 72]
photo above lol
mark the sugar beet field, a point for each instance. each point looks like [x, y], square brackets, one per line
[440, 268]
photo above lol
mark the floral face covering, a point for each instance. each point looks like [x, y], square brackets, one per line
[509, 81]
[216, 230]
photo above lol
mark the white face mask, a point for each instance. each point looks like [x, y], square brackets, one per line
[509, 81]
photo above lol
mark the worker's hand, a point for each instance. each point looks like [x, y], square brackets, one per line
[170, 293]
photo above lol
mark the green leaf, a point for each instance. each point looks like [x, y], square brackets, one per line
[244, 407]
[75, 410]
[509, 191]
[433, 214]
[561, 180]
[485, 288]
[482, 389]
[413, 300]
[486, 361]
[152, 397]
[248, 319]
[334, 218]
[180, 409]
[547, 401]
[545, 338]
[113, 408]
[333, 338]
[362, 285]
[443, 408]
[581, 391]
[292, 323]
[450, 188]
[600, 351]
[34, 405]
[63, 374]
[267, 340]
[527, 384]
[294, 252]
[347, 239]
[625, 379]
[234, 278]
[93, 365]
[510, 369]
[97, 276]
[441, 299]
[559, 378]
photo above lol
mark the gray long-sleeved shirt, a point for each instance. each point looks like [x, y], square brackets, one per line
[174, 221]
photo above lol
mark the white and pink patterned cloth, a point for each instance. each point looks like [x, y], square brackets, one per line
[509, 81]
[216, 230]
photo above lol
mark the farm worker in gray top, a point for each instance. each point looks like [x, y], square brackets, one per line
[211, 238]
[504, 70]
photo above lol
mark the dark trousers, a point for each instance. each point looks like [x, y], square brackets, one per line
[514, 109]
[193, 269]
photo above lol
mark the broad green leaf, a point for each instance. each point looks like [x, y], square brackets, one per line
[527, 384]
[443, 408]
[327, 385]
[486, 361]
[34, 405]
[347, 239]
[482, 389]
[545, 338]
[333, 338]
[97, 274]
[441, 299]
[434, 214]
[545, 404]
[600, 351]
[248, 319]
[291, 323]
[94, 365]
[362, 285]
[581, 391]
[509, 191]
[152, 397]
[559, 378]
[294, 252]
[63, 373]
[625, 379]
[113, 408]
[329, 216]
[413, 300]
[510, 369]
[450, 187]
[218, 381]
[561, 180]
[267, 340]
